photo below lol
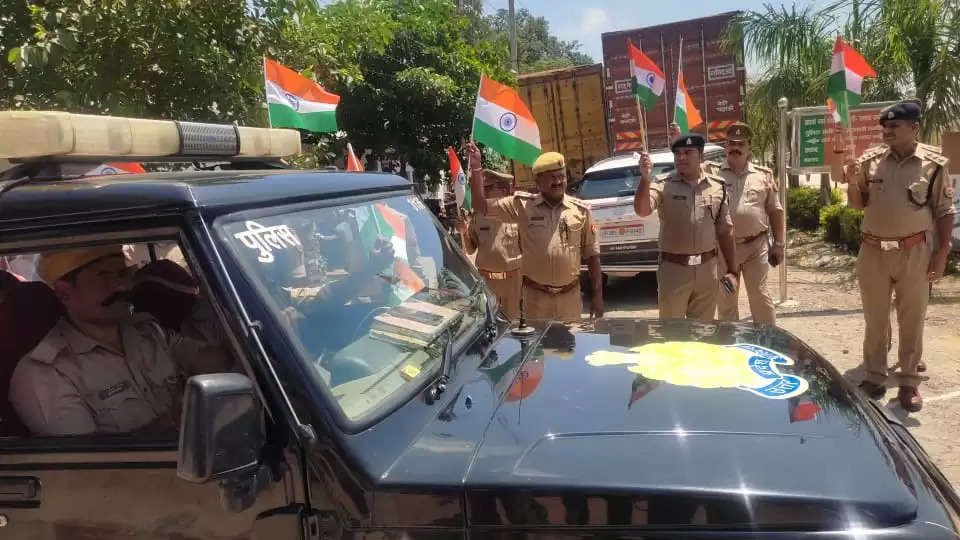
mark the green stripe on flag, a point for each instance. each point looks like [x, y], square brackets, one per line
[681, 119]
[644, 95]
[843, 99]
[504, 143]
[282, 116]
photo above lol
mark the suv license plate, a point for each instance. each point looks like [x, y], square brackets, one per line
[628, 233]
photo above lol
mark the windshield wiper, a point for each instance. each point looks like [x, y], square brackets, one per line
[446, 360]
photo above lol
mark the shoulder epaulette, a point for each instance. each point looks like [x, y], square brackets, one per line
[763, 169]
[932, 153]
[578, 202]
[873, 152]
[716, 178]
[711, 167]
[525, 195]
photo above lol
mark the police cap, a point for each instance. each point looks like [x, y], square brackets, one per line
[549, 161]
[909, 110]
[739, 132]
[54, 265]
[689, 140]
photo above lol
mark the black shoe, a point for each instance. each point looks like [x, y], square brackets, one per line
[873, 391]
[922, 367]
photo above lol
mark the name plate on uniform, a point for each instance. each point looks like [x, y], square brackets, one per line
[626, 233]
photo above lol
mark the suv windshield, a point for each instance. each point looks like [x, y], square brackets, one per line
[371, 292]
[616, 182]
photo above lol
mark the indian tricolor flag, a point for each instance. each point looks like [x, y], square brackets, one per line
[648, 79]
[684, 113]
[847, 72]
[380, 224]
[353, 164]
[460, 188]
[503, 122]
[297, 102]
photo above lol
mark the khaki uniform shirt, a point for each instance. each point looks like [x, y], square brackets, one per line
[689, 213]
[498, 244]
[69, 384]
[555, 239]
[904, 197]
[753, 197]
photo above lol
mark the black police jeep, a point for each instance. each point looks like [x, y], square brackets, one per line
[379, 394]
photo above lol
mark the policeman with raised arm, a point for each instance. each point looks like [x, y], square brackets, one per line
[694, 222]
[906, 193]
[557, 233]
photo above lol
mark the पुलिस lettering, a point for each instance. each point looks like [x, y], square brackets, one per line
[266, 239]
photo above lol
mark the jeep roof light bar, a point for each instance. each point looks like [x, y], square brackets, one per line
[65, 137]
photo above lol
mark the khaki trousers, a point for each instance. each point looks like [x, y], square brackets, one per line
[687, 292]
[905, 273]
[508, 292]
[754, 268]
[565, 306]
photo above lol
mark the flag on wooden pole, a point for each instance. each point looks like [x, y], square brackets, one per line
[685, 114]
[353, 164]
[503, 122]
[648, 79]
[294, 101]
[847, 72]
[459, 179]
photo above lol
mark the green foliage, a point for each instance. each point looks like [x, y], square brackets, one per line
[537, 48]
[909, 43]
[841, 225]
[803, 208]
[192, 59]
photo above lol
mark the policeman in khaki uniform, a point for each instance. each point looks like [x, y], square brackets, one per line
[694, 222]
[755, 207]
[102, 369]
[557, 233]
[905, 190]
[497, 246]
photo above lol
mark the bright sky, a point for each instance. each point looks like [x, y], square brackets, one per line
[585, 21]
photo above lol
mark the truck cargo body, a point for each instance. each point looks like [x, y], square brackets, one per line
[568, 105]
[720, 101]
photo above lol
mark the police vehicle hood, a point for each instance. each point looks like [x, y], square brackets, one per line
[675, 423]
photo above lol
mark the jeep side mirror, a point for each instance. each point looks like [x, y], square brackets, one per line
[221, 434]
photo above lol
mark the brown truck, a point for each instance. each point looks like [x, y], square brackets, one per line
[568, 105]
[720, 100]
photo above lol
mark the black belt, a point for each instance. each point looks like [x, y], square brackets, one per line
[749, 239]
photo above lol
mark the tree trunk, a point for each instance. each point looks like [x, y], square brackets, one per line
[824, 189]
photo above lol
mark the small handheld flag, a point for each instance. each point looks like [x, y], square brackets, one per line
[503, 122]
[353, 164]
[648, 80]
[459, 179]
[847, 72]
[295, 101]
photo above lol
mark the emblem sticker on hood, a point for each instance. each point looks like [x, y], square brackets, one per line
[751, 368]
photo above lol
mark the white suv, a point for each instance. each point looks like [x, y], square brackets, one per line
[628, 243]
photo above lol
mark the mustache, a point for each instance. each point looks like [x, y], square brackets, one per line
[119, 296]
[736, 152]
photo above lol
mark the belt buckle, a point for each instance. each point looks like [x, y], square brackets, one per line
[889, 245]
[555, 290]
[694, 260]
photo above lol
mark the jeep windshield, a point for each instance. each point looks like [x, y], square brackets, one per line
[620, 182]
[369, 293]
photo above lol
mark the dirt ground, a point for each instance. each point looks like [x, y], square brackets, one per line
[823, 309]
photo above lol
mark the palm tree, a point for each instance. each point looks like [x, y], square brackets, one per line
[913, 45]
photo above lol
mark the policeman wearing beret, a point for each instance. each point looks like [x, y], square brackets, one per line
[557, 234]
[906, 193]
[695, 221]
[756, 209]
[497, 246]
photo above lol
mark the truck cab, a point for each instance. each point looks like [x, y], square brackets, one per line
[628, 243]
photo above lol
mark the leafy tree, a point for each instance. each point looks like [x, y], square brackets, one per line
[194, 59]
[537, 48]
